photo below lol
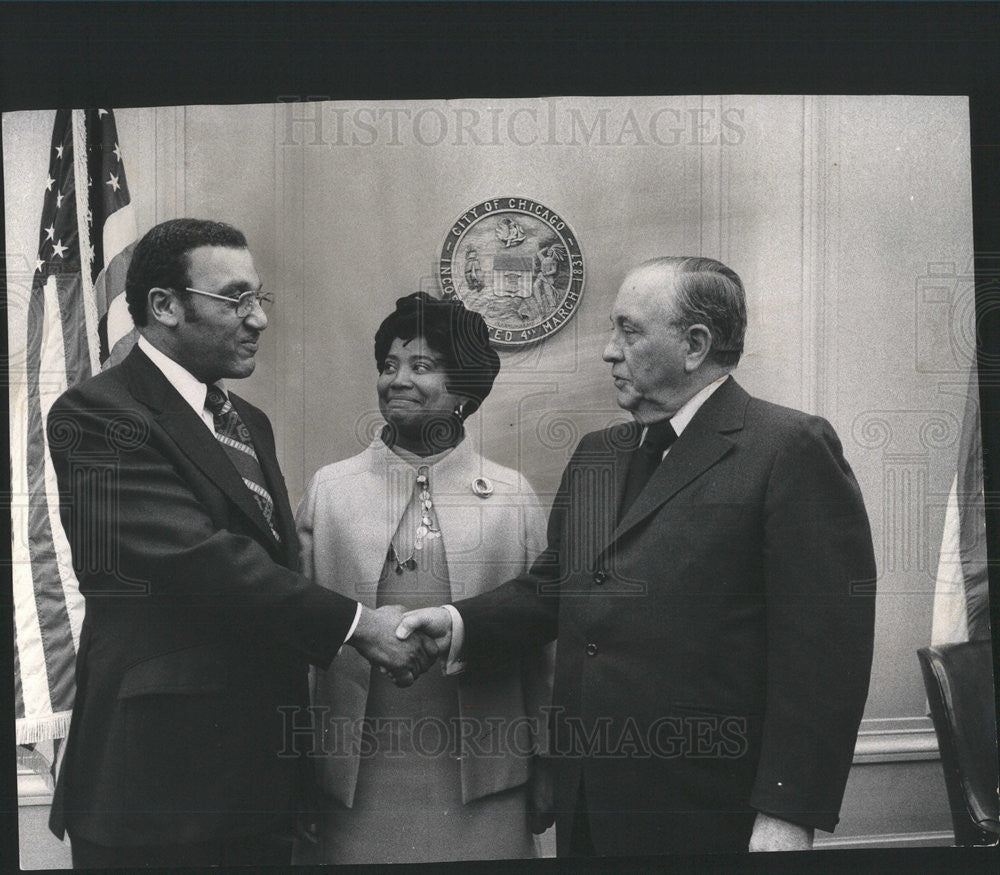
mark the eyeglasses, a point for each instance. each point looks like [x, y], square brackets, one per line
[244, 304]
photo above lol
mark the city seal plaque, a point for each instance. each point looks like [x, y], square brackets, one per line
[518, 264]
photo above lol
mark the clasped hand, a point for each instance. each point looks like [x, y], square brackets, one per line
[403, 645]
[405, 659]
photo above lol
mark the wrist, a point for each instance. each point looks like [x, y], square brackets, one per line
[362, 627]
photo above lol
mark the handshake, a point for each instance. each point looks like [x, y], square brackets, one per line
[403, 645]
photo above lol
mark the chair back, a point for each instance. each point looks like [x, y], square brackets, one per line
[959, 683]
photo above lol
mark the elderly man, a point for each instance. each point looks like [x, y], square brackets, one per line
[198, 631]
[710, 578]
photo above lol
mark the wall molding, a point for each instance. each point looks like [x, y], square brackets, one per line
[288, 417]
[820, 252]
[32, 788]
[927, 839]
[713, 229]
[896, 739]
[169, 162]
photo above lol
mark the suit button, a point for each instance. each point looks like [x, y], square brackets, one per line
[600, 577]
[591, 650]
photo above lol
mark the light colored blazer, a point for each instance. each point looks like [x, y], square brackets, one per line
[345, 522]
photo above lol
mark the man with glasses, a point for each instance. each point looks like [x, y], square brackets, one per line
[194, 651]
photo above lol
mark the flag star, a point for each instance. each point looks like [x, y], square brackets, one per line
[90, 217]
[39, 264]
[49, 184]
[58, 249]
[101, 113]
[59, 200]
[89, 253]
[118, 152]
[51, 232]
[59, 150]
[113, 182]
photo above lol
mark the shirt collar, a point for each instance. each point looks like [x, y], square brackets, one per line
[415, 461]
[682, 418]
[191, 389]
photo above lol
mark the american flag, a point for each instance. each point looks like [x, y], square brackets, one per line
[86, 227]
[961, 595]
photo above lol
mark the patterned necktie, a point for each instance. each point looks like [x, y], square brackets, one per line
[659, 436]
[236, 441]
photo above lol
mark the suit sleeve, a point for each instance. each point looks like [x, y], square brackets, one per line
[304, 520]
[161, 543]
[819, 578]
[524, 612]
[539, 665]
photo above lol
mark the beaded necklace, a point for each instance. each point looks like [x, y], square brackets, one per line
[428, 528]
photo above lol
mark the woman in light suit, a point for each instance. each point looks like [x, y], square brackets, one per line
[442, 770]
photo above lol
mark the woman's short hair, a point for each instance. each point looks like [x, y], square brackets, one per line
[459, 335]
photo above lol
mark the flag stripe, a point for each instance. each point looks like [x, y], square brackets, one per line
[20, 555]
[119, 232]
[961, 595]
[60, 648]
[949, 624]
[68, 296]
[44, 368]
[90, 317]
[18, 692]
[119, 322]
[109, 188]
[73, 320]
[972, 516]
[122, 348]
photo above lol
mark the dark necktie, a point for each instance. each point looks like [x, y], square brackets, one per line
[645, 458]
[235, 438]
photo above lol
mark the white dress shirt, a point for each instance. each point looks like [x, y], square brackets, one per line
[191, 389]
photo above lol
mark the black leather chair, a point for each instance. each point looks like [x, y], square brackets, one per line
[959, 683]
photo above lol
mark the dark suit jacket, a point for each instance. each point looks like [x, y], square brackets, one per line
[197, 629]
[715, 646]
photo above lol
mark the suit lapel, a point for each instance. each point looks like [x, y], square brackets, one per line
[149, 386]
[702, 444]
[623, 440]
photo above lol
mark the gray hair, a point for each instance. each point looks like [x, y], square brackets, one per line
[710, 294]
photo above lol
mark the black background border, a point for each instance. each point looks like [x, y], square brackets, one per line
[160, 54]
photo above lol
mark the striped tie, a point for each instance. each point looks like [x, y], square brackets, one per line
[235, 439]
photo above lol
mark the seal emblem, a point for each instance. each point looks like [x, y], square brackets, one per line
[518, 264]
